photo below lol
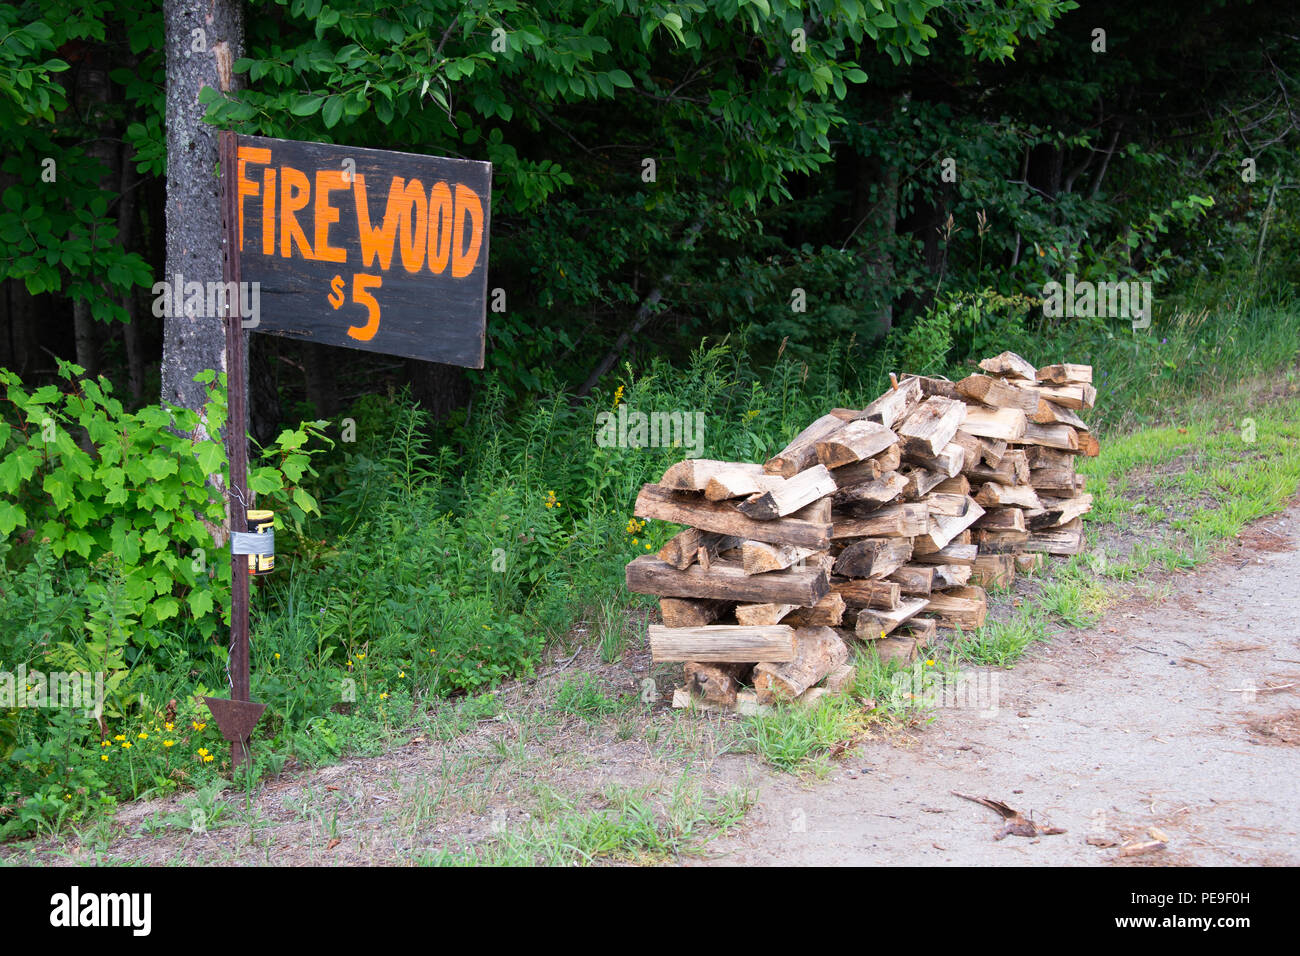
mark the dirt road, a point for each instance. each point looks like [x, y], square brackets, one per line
[1162, 715]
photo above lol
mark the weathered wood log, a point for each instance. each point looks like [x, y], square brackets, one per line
[683, 548]
[994, 571]
[928, 429]
[1000, 542]
[1059, 482]
[1053, 436]
[721, 642]
[1052, 413]
[896, 404]
[801, 453]
[993, 494]
[1065, 540]
[1068, 508]
[914, 579]
[1013, 469]
[965, 607]
[746, 704]
[840, 679]
[759, 557]
[1028, 562]
[920, 481]
[898, 520]
[715, 683]
[694, 473]
[947, 462]
[1065, 374]
[1040, 456]
[920, 629]
[957, 485]
[901, 649]
[1007, 424]
[828, 612]
[1001, 519]
[873, 623]
[1070, 396]
[872, 558]
[853, 443]
[755, 615]
[790, 496]
[883, 489]
[949, 554]
[1010, 365]
[867, 592]
[998, 394]
[735, 483]
[687, 612]
[992, 450]
[727, 581]
[952, 575]
[818, 651]
[809, 528]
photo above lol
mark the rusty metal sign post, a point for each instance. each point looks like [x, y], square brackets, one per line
[368, 249]
[237, 716]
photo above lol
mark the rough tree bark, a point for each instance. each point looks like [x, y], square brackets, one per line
[203, 40]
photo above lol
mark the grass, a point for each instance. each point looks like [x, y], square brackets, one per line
[635, 826]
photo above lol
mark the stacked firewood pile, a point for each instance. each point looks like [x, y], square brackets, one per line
[877, 525]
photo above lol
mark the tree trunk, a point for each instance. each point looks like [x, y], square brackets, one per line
[439, 388]
[203, 39]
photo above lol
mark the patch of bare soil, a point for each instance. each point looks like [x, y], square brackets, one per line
[1151, 718]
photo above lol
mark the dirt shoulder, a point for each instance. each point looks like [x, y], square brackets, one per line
[1162, 715]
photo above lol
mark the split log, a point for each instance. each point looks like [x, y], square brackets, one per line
[872, 558]
[1001, 542]
[1007, 424]
[1040, 456]
[721, 642]
[756, 615]
[1088, 444]
[966, 607]
[914, 579]
[957, 485]
[734, 483]
[1053, 436]
[818, 651]
[928, 429]
[898, 520]
[992, 495]
[947, 462]
[1052, 413]
[801, 453]
[949, 554]
[828, 612]
[1065, 374]
[1001, 519]
[998, 394]
[1065, 540]
[994, 571]
[684, 612]
[792, 495]
[809, 528]
[873, 623]
[1010, 365]
[920, 481]
[867, 592]
[952, 575]
[853, 443]
[715, 683]
[759, 557]
[683, 548]
[727, 581]
[694, 474]
[883, 489]
[1029, 561]
[896, 404]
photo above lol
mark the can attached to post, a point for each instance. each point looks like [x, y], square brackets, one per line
[261, 522]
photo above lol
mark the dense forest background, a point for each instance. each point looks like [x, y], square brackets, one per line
[666, 172]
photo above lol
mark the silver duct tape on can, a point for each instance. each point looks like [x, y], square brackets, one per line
[247, 542]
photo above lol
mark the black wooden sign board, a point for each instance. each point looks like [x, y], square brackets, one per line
[365, 248]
